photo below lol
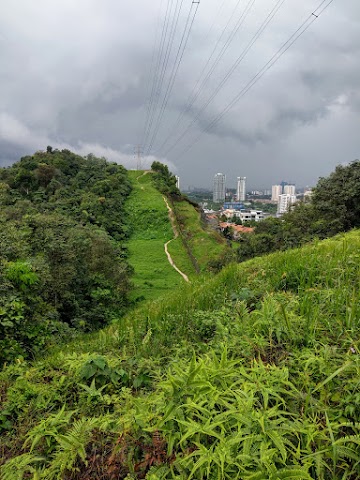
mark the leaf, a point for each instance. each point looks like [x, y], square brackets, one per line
[337, 372]
[278, 442]
[100, 362]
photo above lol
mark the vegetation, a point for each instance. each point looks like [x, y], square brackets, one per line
[62, 266]
[164, 180]
[151, 229]
[334, 208]
[202, 242]
[250, 374]
[253, 374]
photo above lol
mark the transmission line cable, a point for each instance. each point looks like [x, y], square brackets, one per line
[165, 62]
[165, 54]
[201, 82]
[273, 60]
[152, 72]
[157, 71]
[230, 72]
[177, 62]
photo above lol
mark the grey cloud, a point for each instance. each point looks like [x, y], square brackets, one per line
[76, 74]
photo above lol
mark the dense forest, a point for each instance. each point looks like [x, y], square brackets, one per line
[62, 262]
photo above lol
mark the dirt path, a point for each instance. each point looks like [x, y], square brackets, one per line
[145, 173]
[171, 261]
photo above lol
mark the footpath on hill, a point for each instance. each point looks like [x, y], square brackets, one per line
[176, 235]
[152, 244]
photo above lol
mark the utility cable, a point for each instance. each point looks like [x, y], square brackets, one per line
[165, 62]
[201, 82]
[151, 75]
[230, 72]
[156, 71]
[273, 60]
[178, 59]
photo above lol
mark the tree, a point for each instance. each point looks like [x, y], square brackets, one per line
[164, 180]
[62, 262]
[337, 198]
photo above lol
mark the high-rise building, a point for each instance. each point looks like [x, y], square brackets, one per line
[285, 201]
[219, 188]
[240, 190]
[289, 189]
[276, 191]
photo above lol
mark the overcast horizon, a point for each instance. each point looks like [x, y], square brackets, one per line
[80, 76]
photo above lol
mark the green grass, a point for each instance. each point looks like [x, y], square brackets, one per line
[249, 374]
[205, 243]
[153, 275]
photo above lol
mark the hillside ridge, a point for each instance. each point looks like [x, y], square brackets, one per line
[188, 243]
[263, 357]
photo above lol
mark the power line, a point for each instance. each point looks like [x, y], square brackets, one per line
[152, 72]
[156, 72]
[164, 65]
[273, 60]
[199, 86]
[175, 69]
[230, 72]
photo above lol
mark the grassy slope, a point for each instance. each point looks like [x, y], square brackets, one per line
[148, 214]
[152, 228]
[275, 380]
[204, 242]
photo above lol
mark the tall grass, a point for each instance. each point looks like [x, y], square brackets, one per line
[250, 374]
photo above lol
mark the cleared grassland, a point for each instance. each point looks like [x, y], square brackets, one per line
[204, 243]
[153, 275]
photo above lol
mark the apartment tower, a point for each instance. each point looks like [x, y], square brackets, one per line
[219, 188]
[241, 189]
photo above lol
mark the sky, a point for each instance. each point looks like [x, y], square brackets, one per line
[94, 77]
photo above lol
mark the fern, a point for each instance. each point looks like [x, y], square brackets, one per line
[72, 446]
[17, 467]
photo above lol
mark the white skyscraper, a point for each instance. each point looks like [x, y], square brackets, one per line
[276, 191]
[177, 181]
[241, 189]
[285, 201]
[289, 189]
[219, 188]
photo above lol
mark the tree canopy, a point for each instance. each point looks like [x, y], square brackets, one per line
[62, 262]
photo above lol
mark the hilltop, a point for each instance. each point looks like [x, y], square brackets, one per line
[63, 266]
[250, 374]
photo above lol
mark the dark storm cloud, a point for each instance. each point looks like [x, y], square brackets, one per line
[76, 75]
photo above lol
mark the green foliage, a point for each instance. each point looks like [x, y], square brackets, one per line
[98, 370]
[251, 374]
[203, 244]
[337, 197]
[164, 180]
[62, 264]
[150, 230]
[334, 208]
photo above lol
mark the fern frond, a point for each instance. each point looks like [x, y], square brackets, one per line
[17, 467]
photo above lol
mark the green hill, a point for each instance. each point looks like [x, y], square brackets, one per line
[249, 374]
[151, 229]
[63, 267]
[191, 245]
